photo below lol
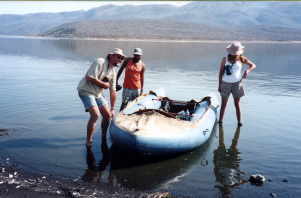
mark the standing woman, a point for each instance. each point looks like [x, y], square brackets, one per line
[231, 74]
[101, 75]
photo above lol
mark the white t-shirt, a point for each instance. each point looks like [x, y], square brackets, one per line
[98, 70]
[236, 71]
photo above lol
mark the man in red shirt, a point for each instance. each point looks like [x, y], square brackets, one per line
[133, 78]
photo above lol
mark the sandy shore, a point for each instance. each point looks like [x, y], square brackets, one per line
[149, 40]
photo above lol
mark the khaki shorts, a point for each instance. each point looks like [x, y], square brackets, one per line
[236, 89]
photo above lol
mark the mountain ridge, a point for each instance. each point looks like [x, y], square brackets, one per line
[195, 20]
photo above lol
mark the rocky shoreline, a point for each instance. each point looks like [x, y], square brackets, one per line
[16, 183]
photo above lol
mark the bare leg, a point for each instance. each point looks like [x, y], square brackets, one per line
[123, 105]
[107, 116]
[94, 115]
[124, 100]
[223, 108]
[106, 155]
[237, 108]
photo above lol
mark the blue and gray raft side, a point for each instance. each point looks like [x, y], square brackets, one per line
[205, 116]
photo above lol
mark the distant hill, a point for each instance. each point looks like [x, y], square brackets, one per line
[195, 20]
[158, 29]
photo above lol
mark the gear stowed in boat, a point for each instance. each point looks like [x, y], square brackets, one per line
[156, 125]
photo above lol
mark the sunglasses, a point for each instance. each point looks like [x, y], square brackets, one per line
[119, 57]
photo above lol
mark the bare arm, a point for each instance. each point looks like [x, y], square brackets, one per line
[121, 70]
[142, 79]
[112, 100]
[94, 71]
[251, 66]
[99, 83]
[221, 72]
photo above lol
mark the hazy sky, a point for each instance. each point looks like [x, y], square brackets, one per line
[25, 7]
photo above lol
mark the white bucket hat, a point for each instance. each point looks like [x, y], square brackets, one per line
[138, 51]
[117, 51]
[235, 48]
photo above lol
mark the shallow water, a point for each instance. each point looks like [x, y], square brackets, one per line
[43, 123]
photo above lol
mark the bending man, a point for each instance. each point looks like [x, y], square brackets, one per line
[101, 75]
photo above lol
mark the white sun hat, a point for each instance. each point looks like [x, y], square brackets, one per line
[117, 51]
[235, 48]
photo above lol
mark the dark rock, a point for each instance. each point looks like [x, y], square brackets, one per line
[273, 195]
[257, 179]
[284, 180]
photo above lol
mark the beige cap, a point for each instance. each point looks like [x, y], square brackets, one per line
[138, 51]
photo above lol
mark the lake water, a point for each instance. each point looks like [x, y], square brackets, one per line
[46, 123]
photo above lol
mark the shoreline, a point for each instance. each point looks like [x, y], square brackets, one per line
[16, 182]
[149, 40]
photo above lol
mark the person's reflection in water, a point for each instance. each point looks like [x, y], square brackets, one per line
[100, 172]
[226, 164]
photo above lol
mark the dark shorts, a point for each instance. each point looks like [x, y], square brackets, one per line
[129, 95]
[236, 89]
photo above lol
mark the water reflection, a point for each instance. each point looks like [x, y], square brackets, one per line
[149, 174]
[98, 172]
[226, 164]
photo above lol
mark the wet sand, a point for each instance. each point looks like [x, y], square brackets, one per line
[15, 183]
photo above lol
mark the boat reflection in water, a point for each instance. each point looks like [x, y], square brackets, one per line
[227, 164]
[134, 171]
[130, 170]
